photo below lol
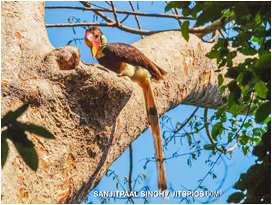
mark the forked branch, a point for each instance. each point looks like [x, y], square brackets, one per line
[199, 31]
[210, 136]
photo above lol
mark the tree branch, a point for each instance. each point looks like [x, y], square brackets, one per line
[213, 26]
[192, 115]
[136, 18]
[175, 12]
[130, 168]
[87, 8]
[210, 137]
[88, 5]
[115, 16]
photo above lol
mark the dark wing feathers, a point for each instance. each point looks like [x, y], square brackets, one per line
[129, 54]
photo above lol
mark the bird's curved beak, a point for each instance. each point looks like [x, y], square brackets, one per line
[92, 43]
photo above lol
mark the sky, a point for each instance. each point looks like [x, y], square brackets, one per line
[180, 176]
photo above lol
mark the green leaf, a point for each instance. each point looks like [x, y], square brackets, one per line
[37, 130]
[263, 61]
[217, 129]
[247, 124]
[4, 147]
[214, 176]
[263, 112]
[249, 51]
[222, 89]
[261, 89]
[11, 116]
[236, 197]
[228, 13]
[235, 90]
[210, 146]
[258, 18]
[247, 77]
[177, 4]
[257, 131]
[233, 72]
[185, 30]
[252, 109]
[193, 156]
[220, 80]
[245, 149]
[233, 111]
[231, 101]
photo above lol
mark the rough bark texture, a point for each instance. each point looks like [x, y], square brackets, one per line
[93, 114]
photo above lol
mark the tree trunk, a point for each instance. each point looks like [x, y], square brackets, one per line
[93, 114]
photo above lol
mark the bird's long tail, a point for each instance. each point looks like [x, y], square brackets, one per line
[153, 120]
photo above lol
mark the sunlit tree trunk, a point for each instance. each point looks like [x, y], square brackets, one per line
[93, 114]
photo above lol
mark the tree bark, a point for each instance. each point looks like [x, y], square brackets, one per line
[93, 114]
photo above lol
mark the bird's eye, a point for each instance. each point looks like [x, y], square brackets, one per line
[96, 35]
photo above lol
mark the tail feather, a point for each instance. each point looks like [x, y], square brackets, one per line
[153, 120]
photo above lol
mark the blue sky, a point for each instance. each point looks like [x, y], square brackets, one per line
[180, 176]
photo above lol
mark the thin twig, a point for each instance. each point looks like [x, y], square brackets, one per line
[136, 17]
[214, 36]
[192, 115]
[108, 3]
[88, 5]
[201, 181]
[213, 26]
[124, 18]
[210, 136]
[101, 7]
[222, 34]
[115, 16]
[130, 168]
[175, 12]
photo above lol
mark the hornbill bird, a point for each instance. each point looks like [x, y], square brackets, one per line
[127, 60]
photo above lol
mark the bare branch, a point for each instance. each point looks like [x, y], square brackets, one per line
[136, 17]
[222, 34]
[88, 5]
[124, 18]
[101, 7]
[130, 169]
[123, 28]
[87, 8]
[108, 3]
[175, 12]
[210, 136]
[214, 36]
[114, 13]
[128, 29]
[212, 27]
[192, 115]
[201, 181]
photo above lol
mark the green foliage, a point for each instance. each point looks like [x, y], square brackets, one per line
[249, 88]
[185, 30]
[15, 131]
[120, 183]
[236, 197]
[257, 180]
[210, 146]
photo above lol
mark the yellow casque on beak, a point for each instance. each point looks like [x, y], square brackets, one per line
[92, 43]
[94, 51]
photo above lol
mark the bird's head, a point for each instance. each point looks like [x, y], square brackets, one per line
[95, 40]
